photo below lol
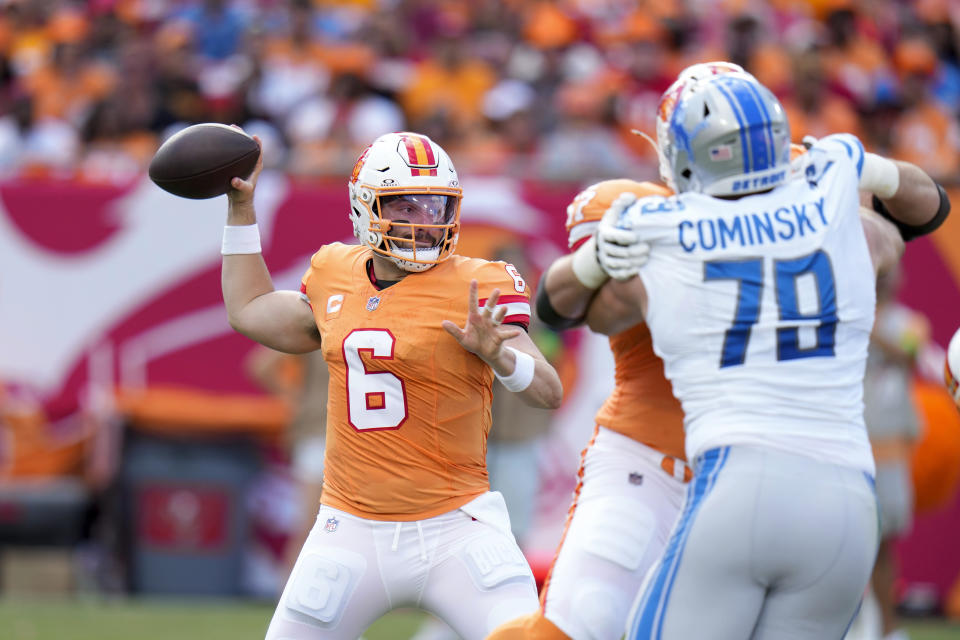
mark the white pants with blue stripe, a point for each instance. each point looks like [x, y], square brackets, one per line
[769, 545]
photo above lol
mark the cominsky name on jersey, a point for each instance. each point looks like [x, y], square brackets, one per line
[754, 228]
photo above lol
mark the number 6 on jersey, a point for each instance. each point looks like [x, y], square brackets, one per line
[375, 399]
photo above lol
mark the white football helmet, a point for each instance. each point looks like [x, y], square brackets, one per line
[951, 372]
[728, 135]
[411, 170]
[668, 102]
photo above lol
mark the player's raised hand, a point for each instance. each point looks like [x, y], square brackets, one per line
[242, 191]
[483, 334]
[620, 251]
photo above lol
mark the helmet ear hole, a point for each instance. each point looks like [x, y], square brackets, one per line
[706, 110]
[686, 173]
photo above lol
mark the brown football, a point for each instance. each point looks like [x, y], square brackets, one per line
[198, 162]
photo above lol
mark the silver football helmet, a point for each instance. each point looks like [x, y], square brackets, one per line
[668, 101]
[727, 135]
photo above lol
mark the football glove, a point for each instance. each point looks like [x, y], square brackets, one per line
[620, 251]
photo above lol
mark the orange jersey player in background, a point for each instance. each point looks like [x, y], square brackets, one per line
[413, 336]
[631, 479]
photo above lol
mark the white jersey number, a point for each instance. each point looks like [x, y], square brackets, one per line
[518, 283]
[375, 399]
[749, 274]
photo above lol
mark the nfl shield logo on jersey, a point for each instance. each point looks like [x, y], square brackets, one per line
[332, 524]
[373, 303]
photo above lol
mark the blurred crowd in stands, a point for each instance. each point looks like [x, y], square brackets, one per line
[530, 88]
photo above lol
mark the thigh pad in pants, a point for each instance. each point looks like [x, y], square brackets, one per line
[323, 584]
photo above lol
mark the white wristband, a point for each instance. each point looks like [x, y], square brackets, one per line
[879, 175]
[586, 266]
[240, 239]
[522, 374]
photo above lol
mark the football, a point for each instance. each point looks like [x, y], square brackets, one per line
[198, 162]
[951, 371]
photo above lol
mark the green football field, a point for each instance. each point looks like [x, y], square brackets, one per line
[206, 620]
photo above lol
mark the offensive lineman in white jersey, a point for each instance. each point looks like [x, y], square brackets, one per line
[759, 294]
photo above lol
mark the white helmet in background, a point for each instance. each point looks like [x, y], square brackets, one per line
[412, 169]
[668, 102]
[951, 371]
[728, 135]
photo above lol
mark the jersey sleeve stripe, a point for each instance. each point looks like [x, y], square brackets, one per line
[304, 296]
[579, 243]
[860, 161]
[517, 307]
[580, 232]
[522, 320]
[504, 300]
[847, 147]
[848, 142]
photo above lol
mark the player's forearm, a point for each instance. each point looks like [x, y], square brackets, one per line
[616, 307]
[543, 389]
[917, 198]
[905, 195]
[562, 300]
[883, 240]
[281, 320]
[243, 278]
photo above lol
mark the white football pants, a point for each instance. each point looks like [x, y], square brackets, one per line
[770, 546]
[618, 526]
[463, 566]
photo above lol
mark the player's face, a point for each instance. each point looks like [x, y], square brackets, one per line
[409, 213]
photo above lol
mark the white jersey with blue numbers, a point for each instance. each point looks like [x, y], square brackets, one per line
[761, 309]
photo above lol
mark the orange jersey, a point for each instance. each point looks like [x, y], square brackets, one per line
[642, 405]
[408, 410]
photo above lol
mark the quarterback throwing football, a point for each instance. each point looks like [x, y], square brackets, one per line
[413, 336]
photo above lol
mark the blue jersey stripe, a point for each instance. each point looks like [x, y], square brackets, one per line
[852, 145]
[648, 621]
[845, 146]
[860, 161]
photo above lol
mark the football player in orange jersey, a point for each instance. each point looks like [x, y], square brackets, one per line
[633, 475]
[413, 336]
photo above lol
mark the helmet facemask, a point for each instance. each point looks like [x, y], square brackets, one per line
[417, 230]
[405, 200]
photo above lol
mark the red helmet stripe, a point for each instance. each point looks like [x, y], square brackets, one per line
[428, 153]
[411, 144]
[419, 154]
